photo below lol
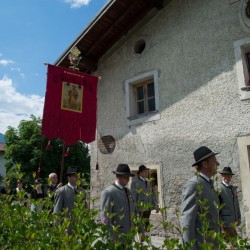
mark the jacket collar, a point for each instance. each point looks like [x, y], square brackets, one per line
[116, 184]
[225, 184]
[204, 177]
[141, 179]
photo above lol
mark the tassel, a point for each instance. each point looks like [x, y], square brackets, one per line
[38, 173]
[86, 150]
[97, 166]
[66, 153]
[48, 146]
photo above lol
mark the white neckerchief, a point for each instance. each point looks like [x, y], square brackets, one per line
[119, 185]
[205, 177]
[227, 185]
[72, 187]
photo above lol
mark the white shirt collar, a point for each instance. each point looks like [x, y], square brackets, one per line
[227, 185]
[205, 177]
[118, 185]
[72, 187]
[142, 178]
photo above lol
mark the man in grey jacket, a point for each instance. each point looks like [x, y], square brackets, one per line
[65, 196]
[143, 195]
[230, 212]
[199, 197]
[117, 205]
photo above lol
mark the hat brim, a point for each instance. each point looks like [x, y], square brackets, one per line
[71, 173]
[123, 174]
[204, 158]
[145, 169]
[226, 172]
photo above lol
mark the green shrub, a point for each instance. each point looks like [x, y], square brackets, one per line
[20, 228]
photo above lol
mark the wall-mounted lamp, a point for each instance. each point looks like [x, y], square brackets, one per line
[247, 10]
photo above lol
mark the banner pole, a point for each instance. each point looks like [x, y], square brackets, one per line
[62, 163]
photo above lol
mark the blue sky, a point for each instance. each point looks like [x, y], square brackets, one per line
[34, 32]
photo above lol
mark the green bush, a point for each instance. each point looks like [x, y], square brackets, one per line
[21, 228]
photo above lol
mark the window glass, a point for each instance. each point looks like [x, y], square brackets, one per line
[151, 90]
[140, 107]
[140, 93]
[151, 104]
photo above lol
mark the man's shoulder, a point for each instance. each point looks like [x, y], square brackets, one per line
[111, 188]
[107, 191]
[62, 189]
[191, 183]
[193, 180]
[221, 186]
[136, 180]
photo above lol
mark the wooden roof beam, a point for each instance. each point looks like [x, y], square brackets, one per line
[111, 27]
[157, 3]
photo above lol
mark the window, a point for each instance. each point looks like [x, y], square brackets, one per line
[145, 97]
[242, 56]
[248, 63]
[142, 98]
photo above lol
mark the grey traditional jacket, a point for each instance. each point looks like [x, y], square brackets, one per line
[143, 194]
[230, 212]
[65, 198]
[190, 209]
[117, 209]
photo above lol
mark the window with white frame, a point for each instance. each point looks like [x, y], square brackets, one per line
[142, 98]
[242, 56]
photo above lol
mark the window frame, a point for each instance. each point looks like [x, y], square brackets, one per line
[131, 84]
[145, 99]
[241, 48]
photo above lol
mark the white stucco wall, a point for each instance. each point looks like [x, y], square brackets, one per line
[191, 43]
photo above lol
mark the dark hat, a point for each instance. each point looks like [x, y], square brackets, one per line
[38, 180]
[123, 169]
[201, 154]
[227, 170]
[71, 170]
[142, 168]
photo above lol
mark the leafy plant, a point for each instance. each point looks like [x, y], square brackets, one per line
[23, 229]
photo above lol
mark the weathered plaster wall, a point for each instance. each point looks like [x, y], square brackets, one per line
[191, 43]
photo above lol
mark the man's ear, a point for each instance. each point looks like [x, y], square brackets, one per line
[204, 164]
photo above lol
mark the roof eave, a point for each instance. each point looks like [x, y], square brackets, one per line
[85, 31]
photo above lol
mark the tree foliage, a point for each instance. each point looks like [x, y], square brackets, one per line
[26, 148]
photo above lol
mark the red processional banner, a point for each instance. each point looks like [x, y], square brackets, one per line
[70, 105]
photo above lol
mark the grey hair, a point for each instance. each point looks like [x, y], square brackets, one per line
[52, 175]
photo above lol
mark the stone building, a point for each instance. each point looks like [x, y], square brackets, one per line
[174, 76]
